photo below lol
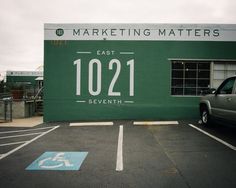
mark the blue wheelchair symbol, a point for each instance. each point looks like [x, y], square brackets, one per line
[58, 161]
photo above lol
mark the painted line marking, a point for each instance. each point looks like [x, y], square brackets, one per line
[119, 161]
[21, 135]
[12, 143]
[25, 130]
[81, 101]
[156, 123]
[92, 124]
[129, 101]
[83, 52]
[26, 143]
[127, 53]
[214, 137]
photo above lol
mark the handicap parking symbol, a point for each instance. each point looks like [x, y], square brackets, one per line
[58, 161]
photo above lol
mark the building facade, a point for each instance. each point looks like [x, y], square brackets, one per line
[133, 71]
[29, 81]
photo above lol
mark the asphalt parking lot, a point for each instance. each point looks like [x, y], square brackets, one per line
[151, 156]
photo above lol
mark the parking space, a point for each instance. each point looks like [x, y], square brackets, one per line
[203, 161]
[222, 131]
[174, 155]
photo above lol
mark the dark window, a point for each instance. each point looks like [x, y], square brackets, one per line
[203, 74]
[190, 74]
[177, 65]
[190, 77]
[177, 74]
[227, 86]
[204, 66]
[189, 66]
[190, 83]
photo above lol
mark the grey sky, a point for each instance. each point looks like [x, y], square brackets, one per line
[21, 30]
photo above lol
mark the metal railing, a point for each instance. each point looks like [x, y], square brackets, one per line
[40, 91]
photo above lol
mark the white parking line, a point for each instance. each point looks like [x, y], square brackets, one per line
[91, 124]
[20, 135]
[12, 143]
[26, 143]
[214, 137]
[119, 160]
[156, 122]
[25, 130]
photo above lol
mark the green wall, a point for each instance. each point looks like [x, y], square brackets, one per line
[152, 79]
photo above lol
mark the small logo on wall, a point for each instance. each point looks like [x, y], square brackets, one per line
[59, 32]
